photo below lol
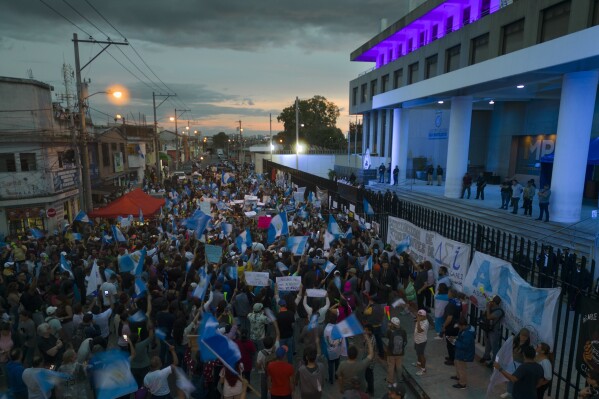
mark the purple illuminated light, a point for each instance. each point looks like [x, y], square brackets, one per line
[444, 19]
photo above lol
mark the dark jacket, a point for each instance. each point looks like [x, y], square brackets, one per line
[464, 345]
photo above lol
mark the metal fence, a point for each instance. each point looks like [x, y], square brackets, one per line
[524, 254]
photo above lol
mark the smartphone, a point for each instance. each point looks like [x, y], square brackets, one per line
[52, 367]
[106, 293]
[125, 337]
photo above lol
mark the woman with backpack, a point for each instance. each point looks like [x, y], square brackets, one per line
[398, 339]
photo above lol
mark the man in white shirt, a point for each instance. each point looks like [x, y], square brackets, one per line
[102, 319]
[157, 379]
[108, 290]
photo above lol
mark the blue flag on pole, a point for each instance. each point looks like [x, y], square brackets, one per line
[223, 348]
[197, 222]
[403, 245]
[207, 329]
[233, 272]
[112, 374]
[367, 207]
[349, 327]
[297, 245]
[137, 317]
[160, 334]
[333, 227]
[132, 262]
[368, 265]
[200, 290]
[37, 233]
[349, 233]
[82, 217]
[118, 235]
[48, 379]
[227, 228]
[278, 226]
[244, 240]
[141, 216]
[65, 264]
[140, 287]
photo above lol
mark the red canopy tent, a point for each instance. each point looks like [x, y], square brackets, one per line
[130, 204]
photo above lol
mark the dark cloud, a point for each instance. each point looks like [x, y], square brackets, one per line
[232, 24]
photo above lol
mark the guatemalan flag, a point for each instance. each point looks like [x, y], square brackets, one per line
[140, 287]
[297, 245]
[329, 267]
[37, 233]
[197, 222]
[112, 374]
[403, 245]
[227, 178]
[368, 265]
[133, 262]
[349, 327]
[244, 240]
[48, 379]
[200, 290]
[367, 207]
[65, 264]
[222, 347]
[278, 226]
[118, 234]
[94, 281]
[227, 228]
[333, 226]
[82, 217]
[349, 233]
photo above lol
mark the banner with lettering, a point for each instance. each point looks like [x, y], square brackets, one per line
[428, 245]
[524, 305]
[587, 357]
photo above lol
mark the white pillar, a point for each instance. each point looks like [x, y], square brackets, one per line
[458, 145]
[379, 132]
[365, 127]
[388, 134]
[399, 149]
[371, 130]
[576, 108]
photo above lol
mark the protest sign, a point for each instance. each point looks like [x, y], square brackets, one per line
[316, 293]
[213, 253]
[256, 279]
[289, 283]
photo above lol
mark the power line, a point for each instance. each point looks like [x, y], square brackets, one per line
[84, 17]
[68, 20]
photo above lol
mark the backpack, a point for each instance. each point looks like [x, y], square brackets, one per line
[268, 357]
[488, 325]
[397, 344]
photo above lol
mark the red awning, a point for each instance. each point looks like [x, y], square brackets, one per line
[130, 204]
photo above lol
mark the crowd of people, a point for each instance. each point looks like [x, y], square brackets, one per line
[56, 316]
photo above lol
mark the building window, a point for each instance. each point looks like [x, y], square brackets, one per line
[28, 162]
[122, 145]
[466, 16]
[385, 83]
[413, 73]
[595, 13]
[400, 49]
[435, 32]
[363, 93]
[431, 67]
[354, 96]
[7, 163]
[449, 25]
[113, 147]
[372, 88]
[397, 78]
[421, 39]
[554, 21]
[390, 55]
[452, 58]
[512, 37]
[410, 45]
[485, 8]
[479, 49]
[105, 155]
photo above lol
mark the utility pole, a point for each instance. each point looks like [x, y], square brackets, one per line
[240, 144]
[85, 172]
[270, 121]
[177, 136]
[296, 133]
[156, 138]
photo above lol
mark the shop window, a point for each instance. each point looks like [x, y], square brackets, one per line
[28, 162]
[397, 78]
[512, 37]
[105, 155]
[113, 147]
[554, 21]
[479, 49]
[7, 163]
[363, 89]
[431, 67]
[413, 73]
[452, 58]
[385, 83]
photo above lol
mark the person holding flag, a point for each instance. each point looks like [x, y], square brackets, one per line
[156, 381]
[354, 368]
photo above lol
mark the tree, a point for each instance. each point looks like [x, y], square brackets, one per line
[220, 140]
[318, 117]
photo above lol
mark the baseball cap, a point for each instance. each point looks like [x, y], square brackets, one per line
[258, 307]
[282, 302]
[281, 351]
[395, 321]
[50, 310]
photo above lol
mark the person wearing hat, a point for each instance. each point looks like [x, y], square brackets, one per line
[398, 339]
[258, 321]
[286, 322]
[281, 375]
[420, 339]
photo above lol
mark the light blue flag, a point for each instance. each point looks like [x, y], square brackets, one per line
[37, 233]
[141, 216]
[349, 233]
[48, 379]
[65, 264]
[333, 227]
[329, 267]
[118, 235]
[367, 207]
[227, 178]
[137, 317]
[233, 272]
[224, 349]
[297, 245]
[349, 327]
[313, 322]
[140, 287]
[200, 290]
[207, 329]
[77, 236]
[106, 239]
[82, 217]
[133, 262]
[108, 273]
[368, 265]
[197, 222]
[227, 228]
[244, 240]
[160, 334]
[112, 377]
[403, 245]
[278, 226]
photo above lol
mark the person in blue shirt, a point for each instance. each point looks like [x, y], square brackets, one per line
[14, 371]
[464, 352]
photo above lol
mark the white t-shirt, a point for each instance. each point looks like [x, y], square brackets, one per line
[229, 390]
[420, 337]
[157, 381]
[101, 320]
[335, 347]
[547, 369]
[111, 288]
